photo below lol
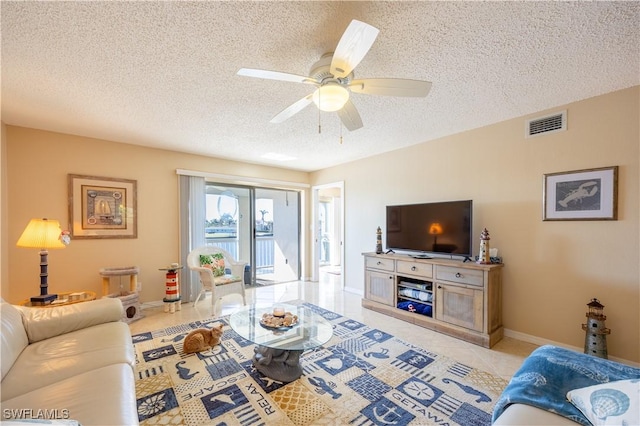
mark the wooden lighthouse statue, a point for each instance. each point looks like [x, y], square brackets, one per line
[172, 289]
[595, 340]
[484, 257]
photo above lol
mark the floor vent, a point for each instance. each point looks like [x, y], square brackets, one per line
[553, 123]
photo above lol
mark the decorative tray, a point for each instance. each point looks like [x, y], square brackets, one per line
[285, 322]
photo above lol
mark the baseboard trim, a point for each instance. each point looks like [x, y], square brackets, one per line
[354, 291]
[540, 342]
[152, 304]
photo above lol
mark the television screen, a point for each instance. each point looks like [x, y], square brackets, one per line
[442, 227]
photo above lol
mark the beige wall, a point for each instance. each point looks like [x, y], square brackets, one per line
[37, 166]
[553, 269]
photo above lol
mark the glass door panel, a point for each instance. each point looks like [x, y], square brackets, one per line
[258, 226]
[228, 220]
[277, 224]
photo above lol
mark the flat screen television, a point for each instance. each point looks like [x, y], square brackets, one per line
[441, 227]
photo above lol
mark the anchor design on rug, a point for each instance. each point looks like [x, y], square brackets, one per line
[381, 355]
[389, 417]
[323, 386]
[184, 372]
[482, 397]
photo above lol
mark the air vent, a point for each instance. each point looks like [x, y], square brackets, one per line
[549, 124]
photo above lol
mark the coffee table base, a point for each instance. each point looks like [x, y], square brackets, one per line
[278, 364]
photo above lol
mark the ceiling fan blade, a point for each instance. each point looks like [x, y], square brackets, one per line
[292, 109]
[352, 47]
[350, 117]
[391, 87]
[276, 75]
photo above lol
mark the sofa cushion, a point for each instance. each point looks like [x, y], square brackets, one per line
[226, 279]
[42, 323]
[105, 396]
[528, 415]
[13, 337]
[61, 357]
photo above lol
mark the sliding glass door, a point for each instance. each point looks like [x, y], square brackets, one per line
[258, 226]
[277, 236]
[228, 220]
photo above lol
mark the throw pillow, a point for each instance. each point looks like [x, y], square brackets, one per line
[206, 260]
[215, 262]
[613, 403]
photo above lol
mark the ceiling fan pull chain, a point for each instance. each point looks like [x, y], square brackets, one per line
[319, 123]
[340, 132]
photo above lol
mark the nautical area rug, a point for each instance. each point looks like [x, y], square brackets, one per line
[362, 376]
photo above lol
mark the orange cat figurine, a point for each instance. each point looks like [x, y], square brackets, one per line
[202, 339]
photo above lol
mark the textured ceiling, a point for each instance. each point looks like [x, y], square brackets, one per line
[163, 74]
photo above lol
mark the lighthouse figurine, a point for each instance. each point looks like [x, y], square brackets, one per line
[484, 258]
[172, 288]
[595, 339]
[378, 241]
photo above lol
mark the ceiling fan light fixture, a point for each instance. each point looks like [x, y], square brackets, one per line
[330, 97]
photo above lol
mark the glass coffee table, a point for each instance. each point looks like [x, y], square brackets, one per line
[278, 350]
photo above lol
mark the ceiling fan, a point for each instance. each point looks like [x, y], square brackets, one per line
[333, 78]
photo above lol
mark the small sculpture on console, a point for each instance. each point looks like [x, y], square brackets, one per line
[484, 256]
[378, 241]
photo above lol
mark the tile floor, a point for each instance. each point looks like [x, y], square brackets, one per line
[501, 360]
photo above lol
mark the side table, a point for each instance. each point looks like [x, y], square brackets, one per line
[63, 299]
[171, 300]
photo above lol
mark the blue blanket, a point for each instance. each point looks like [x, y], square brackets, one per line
[550, 372]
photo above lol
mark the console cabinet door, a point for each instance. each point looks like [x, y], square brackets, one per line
[379, 287]
[459, 306]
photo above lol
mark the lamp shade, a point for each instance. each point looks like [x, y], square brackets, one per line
[42, 234]
[330, 97]
[435, 229]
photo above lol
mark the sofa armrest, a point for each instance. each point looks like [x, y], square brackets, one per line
[44, 323]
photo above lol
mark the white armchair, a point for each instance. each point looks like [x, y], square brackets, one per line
[222, 285]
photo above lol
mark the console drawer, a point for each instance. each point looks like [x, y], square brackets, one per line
[424, 270]
[460, 275]
[379, 263]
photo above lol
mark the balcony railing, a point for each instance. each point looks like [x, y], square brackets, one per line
[265, 249]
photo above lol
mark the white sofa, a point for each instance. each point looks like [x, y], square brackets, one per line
[74, 362]
[528, 415]
[557, 386]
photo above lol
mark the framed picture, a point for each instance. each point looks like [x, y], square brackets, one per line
[590, 194]
[102, 207]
